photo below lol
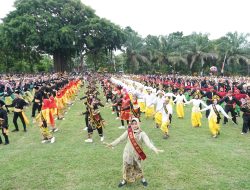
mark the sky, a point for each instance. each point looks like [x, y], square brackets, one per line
[162, 17]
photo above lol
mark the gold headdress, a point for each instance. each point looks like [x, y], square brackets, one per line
[198, 93]
[181, 90]
[216, 97]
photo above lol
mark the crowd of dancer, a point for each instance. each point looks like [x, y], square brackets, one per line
[131, 97]
[49, 96]
[156, 95]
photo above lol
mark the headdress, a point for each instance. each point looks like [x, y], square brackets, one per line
[216, 97]
[160, 92]
[181, 90]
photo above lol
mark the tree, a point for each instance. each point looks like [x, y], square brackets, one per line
[233, 49]
[61, 28]
[156, 55]
[135, 51]
[199, 50]
[173, 46]
[106, 38]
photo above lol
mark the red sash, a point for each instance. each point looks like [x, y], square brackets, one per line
[137, 148]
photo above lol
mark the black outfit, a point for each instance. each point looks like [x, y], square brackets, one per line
[86, 113]
[18, 103]
[115, 100]
[229, 107]
[4, 125]
[209, 95]
[204, 84]
[37, 105]
[108, 94]
[91, 125]
[246, 118]
[8, 93]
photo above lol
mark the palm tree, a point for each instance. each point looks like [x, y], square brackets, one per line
[178, 61]
[156, 55]
[135, 50]
[199, 49]
[173, 48]
[234, 49]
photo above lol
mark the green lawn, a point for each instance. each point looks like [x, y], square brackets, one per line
[192, 158]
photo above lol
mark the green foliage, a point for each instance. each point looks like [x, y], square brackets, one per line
[96, 59]
[120, 61]
[61, 28]
[135, 51]
[45, 64]
[71, 32]
[189, 54]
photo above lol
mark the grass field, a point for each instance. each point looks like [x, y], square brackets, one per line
[192, 158]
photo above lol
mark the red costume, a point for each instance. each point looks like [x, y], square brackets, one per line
[125, 108]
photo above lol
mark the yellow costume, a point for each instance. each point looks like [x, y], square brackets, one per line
[214, 116]
[180, 99]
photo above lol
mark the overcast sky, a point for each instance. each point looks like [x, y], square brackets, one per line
[161, 17]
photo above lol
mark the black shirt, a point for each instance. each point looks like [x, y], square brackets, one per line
[4, 116]
[18, 103]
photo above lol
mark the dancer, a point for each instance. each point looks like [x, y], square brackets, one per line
[125, 114]
[18, 104]
[95, 119]
[4, 124]
[159, 108]
[180, 100]
[214, 116]
[42, 123]
[135, 108]
[167, 111]
[196, 114]
[37, 102]
[133, 153]
[230, 101]
[246, 116]
[149, 102]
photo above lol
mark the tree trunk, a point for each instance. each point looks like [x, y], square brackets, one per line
[112, 60]
[57, 61]
[60, 61]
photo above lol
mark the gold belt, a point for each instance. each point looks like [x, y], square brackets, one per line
[17, 110]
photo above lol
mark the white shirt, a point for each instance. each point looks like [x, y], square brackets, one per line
[170, 94]
[165, 116]
[180, 98]
[159, 103]
[212, 113]
[196, 104]
[149, 99]
[140, 96]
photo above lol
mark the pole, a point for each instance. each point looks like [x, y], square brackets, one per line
[223, 64]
